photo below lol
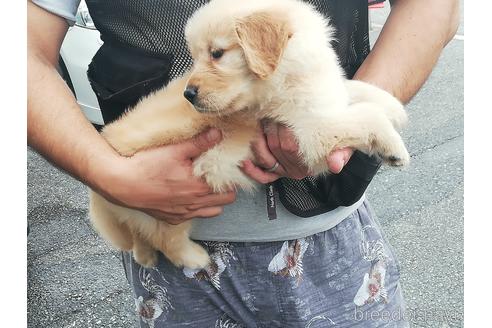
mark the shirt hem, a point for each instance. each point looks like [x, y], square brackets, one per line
[331, 223]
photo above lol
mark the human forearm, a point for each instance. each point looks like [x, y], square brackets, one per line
[158, 181]
[58, 129]
[409, 45]
[56, 126]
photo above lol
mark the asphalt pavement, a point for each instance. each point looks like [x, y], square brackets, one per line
[76, 280]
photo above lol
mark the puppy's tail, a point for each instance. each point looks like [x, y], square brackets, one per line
[364, 92]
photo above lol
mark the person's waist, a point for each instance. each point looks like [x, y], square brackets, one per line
[247, 221]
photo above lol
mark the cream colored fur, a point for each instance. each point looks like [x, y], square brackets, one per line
[277, 63]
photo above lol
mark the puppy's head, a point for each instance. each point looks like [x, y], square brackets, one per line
[233, 54]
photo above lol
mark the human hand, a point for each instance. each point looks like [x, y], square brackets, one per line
[160, 182]
[275, 143]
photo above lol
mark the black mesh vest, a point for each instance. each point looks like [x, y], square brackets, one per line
[144, 48]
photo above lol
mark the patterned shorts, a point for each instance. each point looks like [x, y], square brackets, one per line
[347, 276]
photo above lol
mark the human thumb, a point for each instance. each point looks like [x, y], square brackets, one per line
[200, 143]
[338, 158]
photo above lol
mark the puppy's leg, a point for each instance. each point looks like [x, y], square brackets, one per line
[143, 252]
[162, 118]
[220, 168]
[361, 126]
[220, 165]
[359, 91]
[107, 225]
[174, 242]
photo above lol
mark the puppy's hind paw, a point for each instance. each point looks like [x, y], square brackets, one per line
[147, 259]
[398, 158]
[191, 256]
[397, 161]
[196, 257]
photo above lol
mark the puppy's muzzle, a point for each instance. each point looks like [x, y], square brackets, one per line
[191, 93]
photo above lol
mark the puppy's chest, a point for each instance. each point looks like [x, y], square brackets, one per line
[234, 124]
[237, 132]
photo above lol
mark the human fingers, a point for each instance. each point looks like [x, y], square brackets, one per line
[271, 130]
[337, 159]
[258, 174]
[200, 143]
[263, 156]
[212, 200]
[174, 219]
[290, 152]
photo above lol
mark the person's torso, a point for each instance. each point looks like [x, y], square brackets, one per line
[157, 27]
[144, 47]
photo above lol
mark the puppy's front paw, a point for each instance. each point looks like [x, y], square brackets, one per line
[209, 168]
[221, 173]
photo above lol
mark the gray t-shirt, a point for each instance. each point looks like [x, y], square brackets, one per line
[246, 219]
[63, 8]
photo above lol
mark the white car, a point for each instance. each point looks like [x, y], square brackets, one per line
[79, 46]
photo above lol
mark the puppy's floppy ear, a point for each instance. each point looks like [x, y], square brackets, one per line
[263, 37]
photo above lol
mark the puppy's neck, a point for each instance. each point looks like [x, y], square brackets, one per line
[308, 77]
[303, 88]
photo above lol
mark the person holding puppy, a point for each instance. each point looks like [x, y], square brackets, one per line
[332, 267]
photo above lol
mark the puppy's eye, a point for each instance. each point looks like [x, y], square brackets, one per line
[217, 53]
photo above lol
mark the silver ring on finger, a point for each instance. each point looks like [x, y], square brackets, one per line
[273, 168]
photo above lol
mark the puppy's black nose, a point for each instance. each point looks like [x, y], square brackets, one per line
[190, 93]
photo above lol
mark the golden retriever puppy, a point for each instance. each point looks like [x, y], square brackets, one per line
[252, 60]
